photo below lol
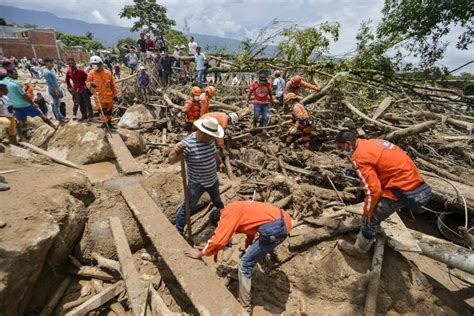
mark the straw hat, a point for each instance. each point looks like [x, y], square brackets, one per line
[210, 126]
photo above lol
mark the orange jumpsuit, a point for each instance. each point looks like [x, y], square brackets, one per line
[223, 120]
[29, 91]
[243, 217]
[205, 100]
[381, 166]
[291, 87]
[192, 109]
[104, 92]
[302, 127]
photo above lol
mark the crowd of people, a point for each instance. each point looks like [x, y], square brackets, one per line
[388, 175]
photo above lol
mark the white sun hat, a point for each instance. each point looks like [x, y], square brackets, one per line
[210, 126]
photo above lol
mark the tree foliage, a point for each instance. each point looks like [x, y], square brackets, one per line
[3, 22]
[79, 40]
[174, 37]
[423, 23]
[302, 45]
[149, 14]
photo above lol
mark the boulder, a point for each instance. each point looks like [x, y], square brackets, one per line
[81, 143]
[41, 135]
[135, 115]
[41, 230]
[133, 140]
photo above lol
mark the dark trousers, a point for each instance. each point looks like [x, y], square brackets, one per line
[83, 99]
[385, 207]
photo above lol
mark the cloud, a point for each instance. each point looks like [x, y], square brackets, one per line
[239, 19]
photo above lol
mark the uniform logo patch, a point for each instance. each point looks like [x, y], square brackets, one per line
[386, 144]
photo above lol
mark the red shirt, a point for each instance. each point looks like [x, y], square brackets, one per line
[261, 93]
[243, 217]
[78, 78]
[149, 44]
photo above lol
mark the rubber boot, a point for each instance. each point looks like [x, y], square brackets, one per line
[254, 124]
[245, 285]
[3, 184]
[48, 121]
[359, 248]
[111, 127]
[12, 140]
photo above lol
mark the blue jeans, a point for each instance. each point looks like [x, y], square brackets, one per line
[56, 104]
[195, 191]
[261, 110]
[200, 76]
[384, 208]
[256, 252]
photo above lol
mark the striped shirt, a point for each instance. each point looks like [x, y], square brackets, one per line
[201, 161]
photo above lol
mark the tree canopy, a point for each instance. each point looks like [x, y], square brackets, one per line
[79, 40]
[149, 14]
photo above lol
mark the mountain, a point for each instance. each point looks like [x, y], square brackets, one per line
[107, 34]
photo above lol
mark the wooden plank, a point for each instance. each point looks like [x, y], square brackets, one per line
[51, 156]
[383, 106]
[199, 281]
[370, 308]
[130, 275]
[124, 158]
[98, 300]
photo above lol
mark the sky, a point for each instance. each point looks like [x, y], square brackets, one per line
[240, 19]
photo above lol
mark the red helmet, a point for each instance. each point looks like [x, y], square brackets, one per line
[296, 79]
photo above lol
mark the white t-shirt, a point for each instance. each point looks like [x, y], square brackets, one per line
[192, 47]
[4, 104]
[280, 86]
[132, 58]
[199, 60]
[235, 81]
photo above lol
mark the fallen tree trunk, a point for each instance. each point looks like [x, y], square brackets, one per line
[440, 171]
[356, 111]
[412, 130]
[444, 118]
[370, 308]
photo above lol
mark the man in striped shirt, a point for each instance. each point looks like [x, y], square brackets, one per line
[202, 159]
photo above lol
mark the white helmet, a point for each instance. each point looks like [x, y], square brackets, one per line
[96, 60]
[234, 118]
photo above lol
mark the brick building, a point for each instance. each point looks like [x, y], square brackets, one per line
[21, 42]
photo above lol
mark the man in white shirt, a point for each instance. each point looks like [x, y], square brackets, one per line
[235, 81]
[279, 87]
[200, 59]
[192, 46]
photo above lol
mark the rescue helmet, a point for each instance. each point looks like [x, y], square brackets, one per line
[234, 118]
[296, 80]
[196, 91]
[290, 96]
[96, 60]
[212, 91]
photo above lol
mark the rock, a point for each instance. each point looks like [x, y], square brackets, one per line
[133, 140]
[41, 135]
[42, 230]
[135, 115]
[81, 143]
[97, 236]
[2, 224]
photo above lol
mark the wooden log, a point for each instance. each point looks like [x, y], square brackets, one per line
[444, 118]
[383, 106]
[106, 263]
[51, 156]
[158, 306]
[356, 111]
[409, 131]
[228, 168]
[93, 272]
[440, 171]
[130, 275]
[283, 202]
[54, 300]
[98, 300]
[281, 163]
[370, 308]
[171, 103]
[241, 136]
[163, 136]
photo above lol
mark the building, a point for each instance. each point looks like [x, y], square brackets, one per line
[27, 42]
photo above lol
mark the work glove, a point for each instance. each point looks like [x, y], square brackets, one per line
[10, 109]
[93, 85]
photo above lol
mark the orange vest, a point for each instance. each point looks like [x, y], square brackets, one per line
[105, 85]
[29, 91]
[204, 99]
[221, 117]
[299, 112]
[192, 109]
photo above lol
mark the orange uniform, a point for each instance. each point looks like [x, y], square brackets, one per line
[381, 166]
[29, 92]
[192, 109]
[299, 111]
[302, 128]
[223, 120]
[204, 99]
[105, 89]
[291, 87]
[243, 217]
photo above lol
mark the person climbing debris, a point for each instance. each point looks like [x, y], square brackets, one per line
[202, 160]
[205, 98]
[246, 217]
[7, 120]
[296, 83]
[143, 83]
[41, 103]
[192, 109]
[279, 87]
[303, 123]
[54, 90]
[390, 179]
[224, 120]
[76, 84]
[101, 83]
[262, 94]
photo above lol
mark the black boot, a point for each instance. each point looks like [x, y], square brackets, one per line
[48, 121]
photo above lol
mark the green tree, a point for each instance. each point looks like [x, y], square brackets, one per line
[422, 24]
[149, 14]
[174, 37]
[3, 22]
[120, 43]
[79, 40]
[89, 35]
[246, 45]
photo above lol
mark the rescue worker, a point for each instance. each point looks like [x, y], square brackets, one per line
[390, 180]
[270, 222]
[192, 108]
[296, 83]
[205, 99]
[303, 125]
[224, 120]
[263, 99]
[202, 160]
[101, 83]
